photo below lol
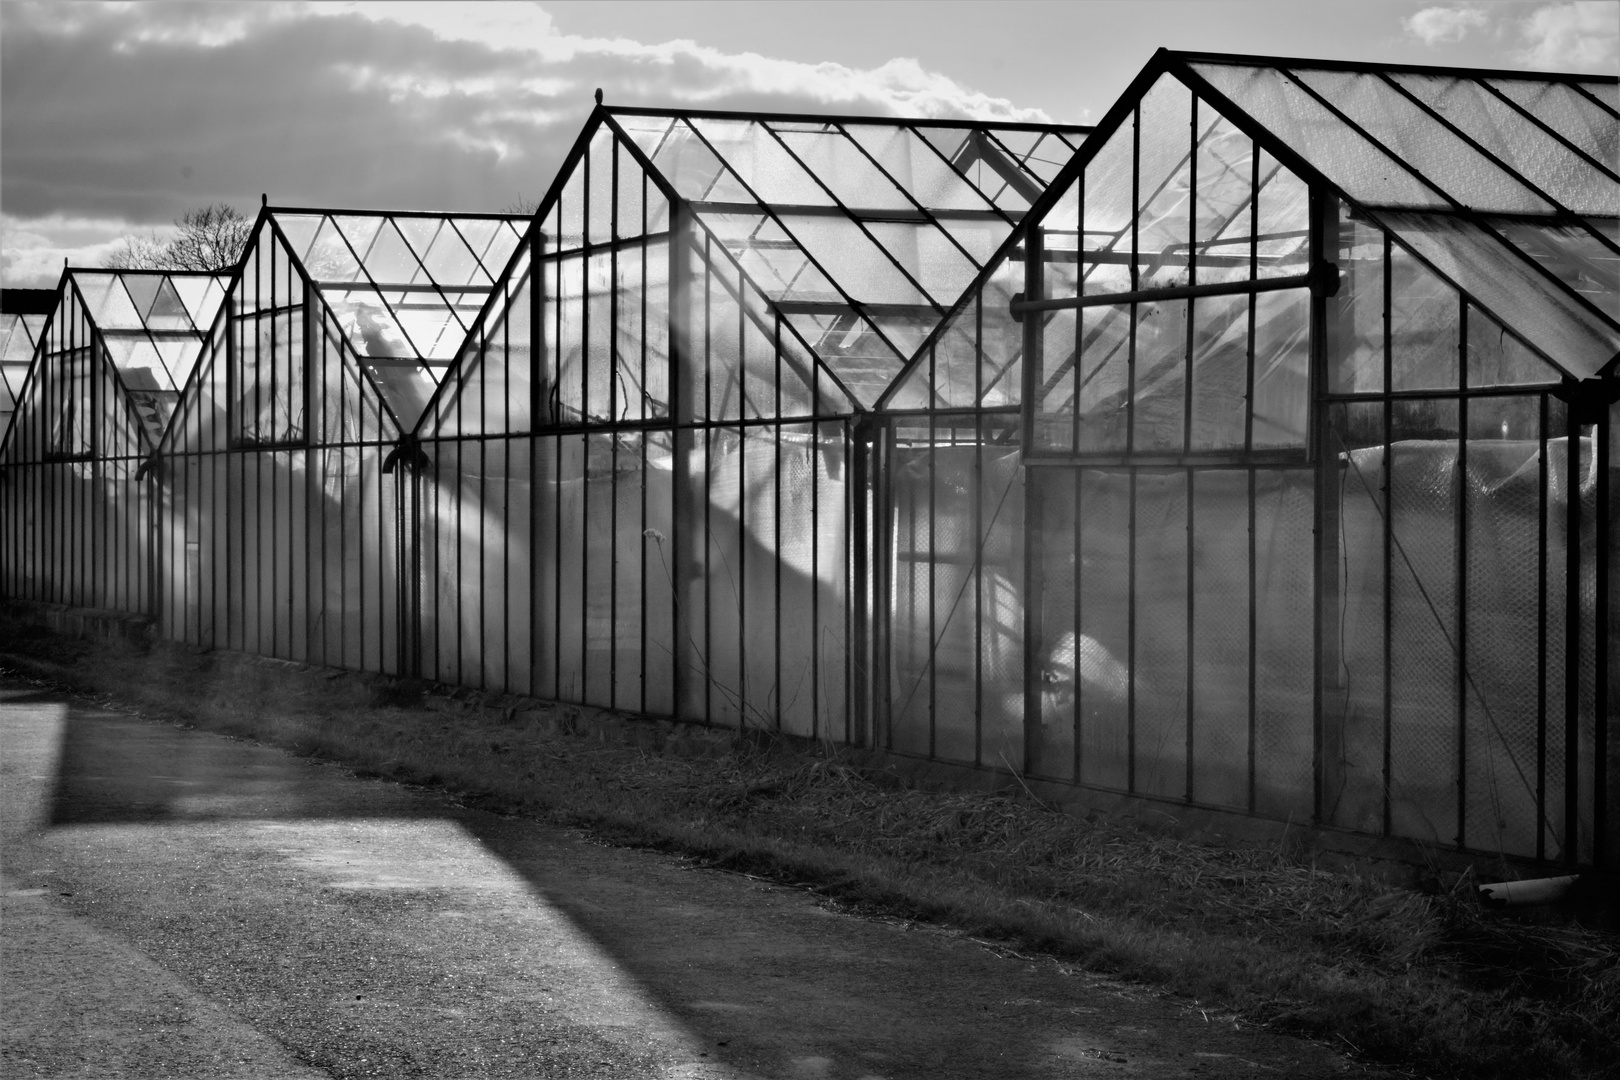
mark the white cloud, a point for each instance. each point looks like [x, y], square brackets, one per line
[128, 114]
[681, 70]
[494, 24]
[1445, 25]
[32, 249]
[1572, 37]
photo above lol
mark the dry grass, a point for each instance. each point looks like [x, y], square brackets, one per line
[1420, 978]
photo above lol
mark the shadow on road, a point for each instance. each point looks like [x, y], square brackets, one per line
[762, 977]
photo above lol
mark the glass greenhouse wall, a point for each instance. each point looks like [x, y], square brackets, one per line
[1250, 452]
[280, 530]
[647, 452]
[100, 387]
[1318, 411]
[19, 337]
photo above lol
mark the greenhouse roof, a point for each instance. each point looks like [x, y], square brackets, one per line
[152, 321]
[1505, 183]
[404, 287]
[862, 232]
[19, 336]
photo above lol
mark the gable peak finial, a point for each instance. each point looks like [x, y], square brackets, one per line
[264, 198]
[599, 95]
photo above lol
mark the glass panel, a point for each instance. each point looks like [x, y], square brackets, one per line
[1220, 372]
[1046, 157]
[1573, 256]
[759, 161]
[632, 189]
[1423, 327]
[1164, 182]
[1000, 603]
[1445, 160]
[1366, 173]
[916, 168]
[1422, 487]
[167, 311]
[1567, 112]
[601, 194]
[115, 309]
[361, 233]
[1522, 145]
[1159, 396]
[1106, 202]
[1159, 671]
[393, 262]
[1060, 246]
[1284, 668]
[1219, 710]
[852, 260]
[1606, 92]
[568, 232]
[1102, 646]
[178, 358]
[142, 289]
[201, 295]
[849, 175]
[1104, 394]
[329, 257]
[1054, 548]
[1224, 209]
[928, 256]
[491, 243]
[1510, 290]
[1054, 385]
[1284, 247]
[648, 132]
[138, 363]
[270, 403]
[852, 350]
[1282, 352]
[950, 142]
[449, 261]
[1353, 682]
[1010, 185]
[1495, 358]
[300, 230]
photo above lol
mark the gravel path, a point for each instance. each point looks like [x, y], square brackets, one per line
[177, 904]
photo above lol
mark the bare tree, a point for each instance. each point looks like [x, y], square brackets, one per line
[210, 238]
[522, 206]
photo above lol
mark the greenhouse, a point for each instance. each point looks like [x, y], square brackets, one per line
[92, 402]
[279, 532]
[1249, 452]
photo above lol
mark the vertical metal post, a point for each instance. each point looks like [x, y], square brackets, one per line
[1542, 674]
[1460, 605]
[1387, 533]
[613, 421]
[1034, 519]
[1572, 637]
[681, 411]
[1328, 693]
[1602, 707]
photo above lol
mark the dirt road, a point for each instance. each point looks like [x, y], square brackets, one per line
[177, 904]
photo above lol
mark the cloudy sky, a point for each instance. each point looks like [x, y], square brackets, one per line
[115, 118]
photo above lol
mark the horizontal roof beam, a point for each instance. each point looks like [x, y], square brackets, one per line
[399, 287]
[897, 215]
[838, 307]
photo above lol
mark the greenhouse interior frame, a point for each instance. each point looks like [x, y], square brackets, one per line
[1250, 451]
